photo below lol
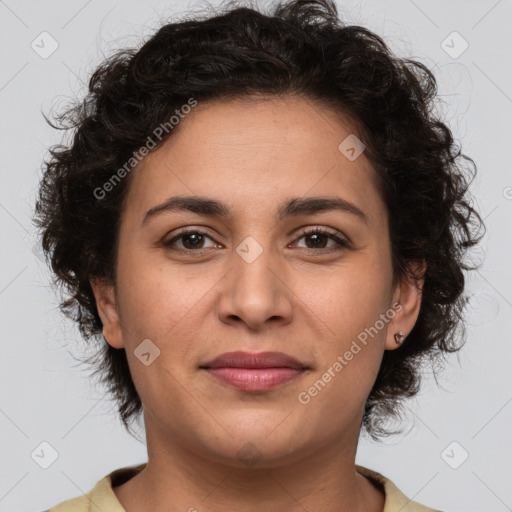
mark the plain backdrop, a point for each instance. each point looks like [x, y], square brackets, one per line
[455, 452]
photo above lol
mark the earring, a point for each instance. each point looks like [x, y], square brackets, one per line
[399, 337]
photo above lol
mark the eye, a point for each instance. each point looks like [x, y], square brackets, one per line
[192, 240]
[319, 236]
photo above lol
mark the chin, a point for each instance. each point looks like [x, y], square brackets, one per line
[251, 444]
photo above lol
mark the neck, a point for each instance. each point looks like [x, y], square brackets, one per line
[175, 479]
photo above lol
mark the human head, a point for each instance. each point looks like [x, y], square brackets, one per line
[300, 49]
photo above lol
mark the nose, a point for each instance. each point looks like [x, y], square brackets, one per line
[255, 291]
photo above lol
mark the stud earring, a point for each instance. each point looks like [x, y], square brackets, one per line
[399, 337]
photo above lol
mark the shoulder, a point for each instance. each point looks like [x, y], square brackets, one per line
[396, 500]
[101, 496]
[78, 504]
[83, 503]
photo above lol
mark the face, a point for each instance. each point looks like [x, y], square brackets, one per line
[246, 277]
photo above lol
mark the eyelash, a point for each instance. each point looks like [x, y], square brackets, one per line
[342, 244]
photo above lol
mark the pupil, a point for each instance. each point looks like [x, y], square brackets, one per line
[318, 239]
[197, 236]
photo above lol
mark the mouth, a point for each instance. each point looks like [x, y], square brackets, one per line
[254, 371]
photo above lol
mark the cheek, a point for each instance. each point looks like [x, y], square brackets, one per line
[156, 297]
[349, 299]
[167, 307]
[353, 305]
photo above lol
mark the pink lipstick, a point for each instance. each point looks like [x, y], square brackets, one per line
[254, 371]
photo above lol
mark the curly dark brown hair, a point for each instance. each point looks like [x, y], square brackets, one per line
[301, 47]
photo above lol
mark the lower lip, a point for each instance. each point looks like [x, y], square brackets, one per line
[255, 379]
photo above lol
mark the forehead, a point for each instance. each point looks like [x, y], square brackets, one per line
[254, 151]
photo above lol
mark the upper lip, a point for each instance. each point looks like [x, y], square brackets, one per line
[254, 360]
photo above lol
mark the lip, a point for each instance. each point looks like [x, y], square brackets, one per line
[254, 371]
[256, 360]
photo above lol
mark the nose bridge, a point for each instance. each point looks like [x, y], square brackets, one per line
[253, 266]
[255, 292]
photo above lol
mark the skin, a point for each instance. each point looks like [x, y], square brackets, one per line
[308, 301]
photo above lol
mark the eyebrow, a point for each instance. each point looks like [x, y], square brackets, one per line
[293, 207]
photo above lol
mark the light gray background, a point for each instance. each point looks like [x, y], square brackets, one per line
[47, 396]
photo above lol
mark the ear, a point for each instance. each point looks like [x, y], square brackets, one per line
[104, 293]
[408, 294]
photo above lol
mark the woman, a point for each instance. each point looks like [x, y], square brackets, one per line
[263, 223]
